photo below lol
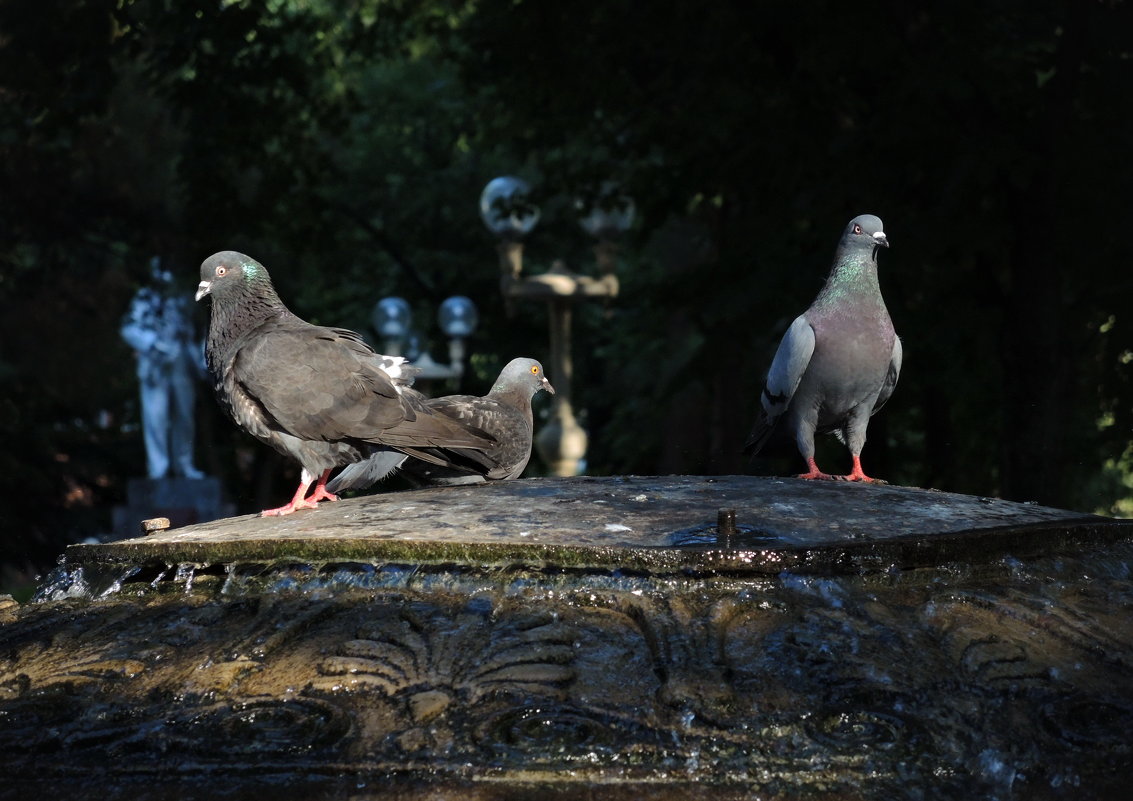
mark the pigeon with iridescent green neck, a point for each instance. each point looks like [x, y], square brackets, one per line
[318, 395]
[839, 361]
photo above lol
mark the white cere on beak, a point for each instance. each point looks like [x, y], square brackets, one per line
[203, 289]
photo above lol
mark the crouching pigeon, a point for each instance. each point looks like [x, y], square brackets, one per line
[504, 413]
[838, 362]
[318, 395]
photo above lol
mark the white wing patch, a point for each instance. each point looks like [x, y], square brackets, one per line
[392, 365]
[401, 373]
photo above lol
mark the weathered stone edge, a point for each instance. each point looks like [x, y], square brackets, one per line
[851, 557]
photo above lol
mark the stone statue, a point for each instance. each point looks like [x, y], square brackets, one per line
[170, 360]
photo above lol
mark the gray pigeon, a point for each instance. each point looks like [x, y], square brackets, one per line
[838, 362]
[504, 413]
[318, 395]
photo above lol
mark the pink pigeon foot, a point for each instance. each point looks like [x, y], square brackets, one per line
[857, 474]
[815, 473]
[321, 493]
[300, 501]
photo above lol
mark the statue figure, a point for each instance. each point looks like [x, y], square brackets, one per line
[170, 360]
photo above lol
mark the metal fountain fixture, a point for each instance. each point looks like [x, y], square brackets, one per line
[509, 213]
[457, 317]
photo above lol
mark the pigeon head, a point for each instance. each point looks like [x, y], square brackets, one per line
[229, 274]
[523, 373]
[864, 232]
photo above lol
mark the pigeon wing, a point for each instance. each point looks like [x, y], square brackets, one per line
[426, 428]
[318, 385]
[510, 426]
[787, 368]
[890, 377]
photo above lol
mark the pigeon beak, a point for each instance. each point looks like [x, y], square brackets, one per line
[547, 386]
[203, 289]
[880, 239]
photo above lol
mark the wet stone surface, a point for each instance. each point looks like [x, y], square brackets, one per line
[648, 523]
[586, 638]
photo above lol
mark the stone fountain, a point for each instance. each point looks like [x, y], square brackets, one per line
[621, 638]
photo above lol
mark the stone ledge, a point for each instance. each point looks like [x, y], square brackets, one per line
[653, 524]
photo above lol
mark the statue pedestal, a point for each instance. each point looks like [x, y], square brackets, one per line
[184, 501]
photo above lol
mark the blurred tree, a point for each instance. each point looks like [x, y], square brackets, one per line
[983, 133]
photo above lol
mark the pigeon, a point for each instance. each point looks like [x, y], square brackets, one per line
[839, 361]
[504, 413]
[318, 395]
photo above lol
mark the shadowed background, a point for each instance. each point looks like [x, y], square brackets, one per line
[344, 145]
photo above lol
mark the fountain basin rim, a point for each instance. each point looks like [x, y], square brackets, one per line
[859, 557]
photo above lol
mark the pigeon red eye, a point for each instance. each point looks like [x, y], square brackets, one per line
[221, 270]
[857, 229]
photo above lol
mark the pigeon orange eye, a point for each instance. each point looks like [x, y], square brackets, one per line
[221, 270]
[534, 370]
[857, 229]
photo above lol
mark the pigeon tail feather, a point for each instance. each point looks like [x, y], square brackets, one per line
[368, 472]
[759, 437]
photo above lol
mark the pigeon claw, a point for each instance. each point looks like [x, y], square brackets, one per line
[300, 501]
[814, 474]
[863, 479]
[320, 494]
[294, 506]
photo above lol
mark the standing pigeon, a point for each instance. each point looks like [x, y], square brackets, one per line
[504, 413]
[318, 395]
[839, 361]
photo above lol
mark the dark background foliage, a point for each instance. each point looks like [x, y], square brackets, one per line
[344, 144]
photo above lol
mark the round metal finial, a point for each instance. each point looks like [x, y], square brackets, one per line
[391, 317]
[609, 215]
[506, 208]
[458, 317]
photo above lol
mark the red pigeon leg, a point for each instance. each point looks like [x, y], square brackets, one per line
[320, 493]
[857, 474]
[297, 502]
[300, 501]
[814, 473]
